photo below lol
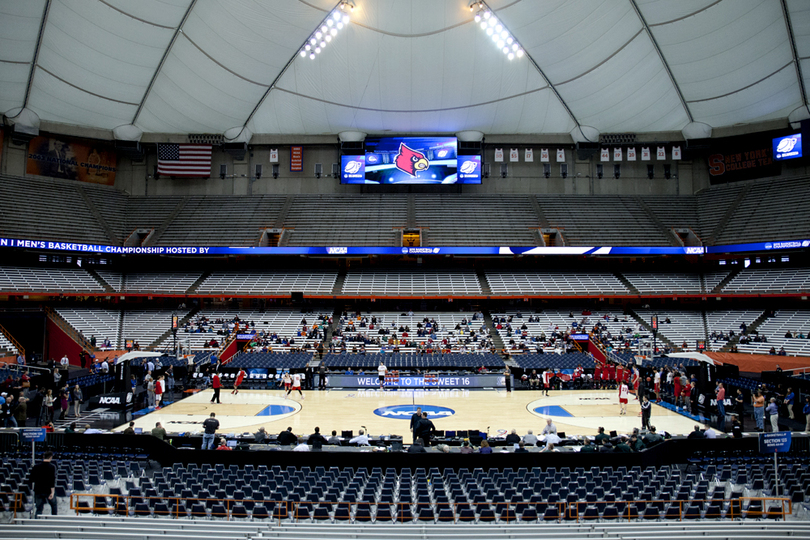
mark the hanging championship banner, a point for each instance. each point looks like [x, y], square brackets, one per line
[514, 155]
[544, 155]
[499, 154]
[604, 155]
[274, 155]
[560, 155]
[631, 154]
[617, 154]
[296, 159]
[661, 153]
[528, 155]
[645, 153]
[676, 152]
[85, 160]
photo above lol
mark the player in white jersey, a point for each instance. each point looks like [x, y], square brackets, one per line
[296, 385]
[381, 372]
[624, 394]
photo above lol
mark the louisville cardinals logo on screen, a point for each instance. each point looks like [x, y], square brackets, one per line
[410, 161]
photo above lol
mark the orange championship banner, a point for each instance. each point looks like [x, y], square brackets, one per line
[73, 159]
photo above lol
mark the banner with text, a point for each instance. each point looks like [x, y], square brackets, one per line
[103, 249]
[72, 159]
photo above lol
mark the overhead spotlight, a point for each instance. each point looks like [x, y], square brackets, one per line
[600, 170]
[483, 25]
[324, 29]
[312, 56]
[472, 7]
[519, 53]
[323, 44]
[346, 19]
[477, 18]
[330, 23]
[511, 56]
[333, 31]
[303, 53]
[318, 35]
[328, 38]
[317, 50]
[487, 14]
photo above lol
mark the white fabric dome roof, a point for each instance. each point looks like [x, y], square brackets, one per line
[404, 66]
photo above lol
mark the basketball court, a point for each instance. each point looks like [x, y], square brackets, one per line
[389, 412]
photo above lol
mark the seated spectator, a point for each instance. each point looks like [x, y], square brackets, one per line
[466, 448]
[417, 448]
[485, 448]
[530, 438]
[287, 437]
[513, 438]
[301, 447]
[260, 437]
[316, 440]
[521, 449]
[334, 439]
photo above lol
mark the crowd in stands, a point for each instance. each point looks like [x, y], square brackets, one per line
[548, 334]
[358, 333]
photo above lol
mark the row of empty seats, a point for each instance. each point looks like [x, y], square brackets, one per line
[770, 210]
[461, 282]
[262, 282]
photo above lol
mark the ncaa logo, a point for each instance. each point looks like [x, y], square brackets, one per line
[352, 167]
[405, 412]
[786, 145]
[468, 167]
[768, 246]
[405, 251]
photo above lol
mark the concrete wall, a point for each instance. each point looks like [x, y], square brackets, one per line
[524, 178]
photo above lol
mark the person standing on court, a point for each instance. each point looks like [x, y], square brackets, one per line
[624, 394]
[414, 421]
[381, 372]
[296, 385]
[239, 378]
[759, 410]
[806, 411]
[210, 427]
[773, 410]
[322, 376]
[646, 412]
[43, 476]
[507, 379]
[721, 407]
[789, 399]
[216, 384]
[424, 429]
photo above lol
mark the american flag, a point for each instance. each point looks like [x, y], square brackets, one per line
[184, 160]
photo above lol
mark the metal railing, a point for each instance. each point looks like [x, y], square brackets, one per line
[13, 502]
[574, 511]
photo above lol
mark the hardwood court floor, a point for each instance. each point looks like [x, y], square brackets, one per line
[573, 412]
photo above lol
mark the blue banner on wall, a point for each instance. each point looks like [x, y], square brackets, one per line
[103, 249]
[417, 382]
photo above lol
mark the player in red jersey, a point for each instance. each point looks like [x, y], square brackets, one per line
[547, 376]
[635, 380]
[597, 375]
[239, 378]
[620, 374]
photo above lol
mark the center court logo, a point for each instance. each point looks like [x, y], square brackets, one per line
[405, 412]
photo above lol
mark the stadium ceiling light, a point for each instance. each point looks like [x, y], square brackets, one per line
[496, 30]
[328, 29]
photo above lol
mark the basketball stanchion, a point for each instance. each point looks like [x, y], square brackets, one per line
[392, 378]
[430, 379]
